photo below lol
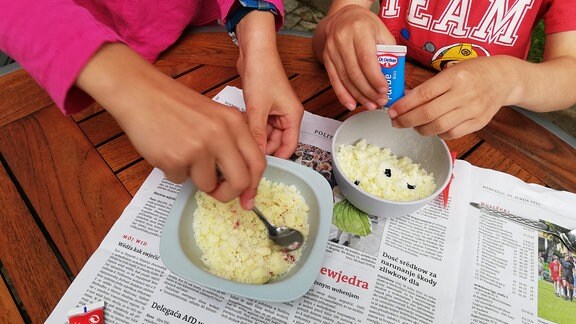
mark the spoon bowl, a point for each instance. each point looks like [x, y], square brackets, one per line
[284, 237]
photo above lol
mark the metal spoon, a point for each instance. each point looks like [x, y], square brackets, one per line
[566, 236]
[284, 237]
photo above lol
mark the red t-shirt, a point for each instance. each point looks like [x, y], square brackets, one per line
[439, 33]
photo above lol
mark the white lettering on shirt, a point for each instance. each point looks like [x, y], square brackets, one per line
[415, 15]
[453, 20]
[391, 9]
[499, 25]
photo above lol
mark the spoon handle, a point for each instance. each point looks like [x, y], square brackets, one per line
[270, 227]
[540, 226]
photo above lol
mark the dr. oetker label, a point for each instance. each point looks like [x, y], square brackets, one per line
[392, 61]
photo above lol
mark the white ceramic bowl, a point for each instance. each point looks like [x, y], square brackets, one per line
[180, 253]
[375, 127]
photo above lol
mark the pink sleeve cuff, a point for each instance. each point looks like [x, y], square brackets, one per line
[69, 98]
[53, 49]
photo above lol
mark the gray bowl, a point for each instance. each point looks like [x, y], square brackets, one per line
[181, 254]
[375, 127]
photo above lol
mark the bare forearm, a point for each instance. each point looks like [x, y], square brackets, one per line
[542, 87]
[257, 34]
[123, 82]
[109, 71]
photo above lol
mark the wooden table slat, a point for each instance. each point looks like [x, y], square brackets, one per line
[100, 128]
[132, 177]
[109, 152]
[213, 49]
[326, 104]
[464, 144]
[91, 110]
[308, 86]
[8, 308]
[174, 69]
[487, 156]
[207, 77]
[534, 148]
[39, 267]
[417, 75]
[67, 181]
[237, 82]
[20, 96]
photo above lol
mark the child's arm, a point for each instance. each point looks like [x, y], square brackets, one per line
[176, 129]
[465, 97]
[273, 109]
[551, 84]
[345, 41]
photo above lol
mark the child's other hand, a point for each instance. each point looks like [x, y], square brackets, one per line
[273, 110]
[459, 100]
[349, 55]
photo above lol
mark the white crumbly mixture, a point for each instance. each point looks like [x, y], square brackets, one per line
[383, 174]
[235, 243]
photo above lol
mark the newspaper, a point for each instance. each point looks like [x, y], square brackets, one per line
[441, 264]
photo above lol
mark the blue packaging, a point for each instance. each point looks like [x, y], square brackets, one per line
[392, 60]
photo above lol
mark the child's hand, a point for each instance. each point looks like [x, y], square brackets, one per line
[274, 111]
[191, 136]
[459, 100]
[350, 36]
[174, 128]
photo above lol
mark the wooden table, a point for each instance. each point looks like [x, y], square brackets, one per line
[65, 180]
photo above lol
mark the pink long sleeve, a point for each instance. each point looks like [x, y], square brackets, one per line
[54, 39]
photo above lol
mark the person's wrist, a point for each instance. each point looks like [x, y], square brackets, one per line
[514, 86]
[242, 9]
[256, 34]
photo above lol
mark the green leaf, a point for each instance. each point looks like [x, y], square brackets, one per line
[350, 219]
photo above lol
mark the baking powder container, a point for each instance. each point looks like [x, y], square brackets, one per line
[392, 62]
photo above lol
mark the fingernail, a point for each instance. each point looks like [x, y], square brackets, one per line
[350, 106]
[370, 106]
[382, 102]
[383, 90]
[248, 204]
[392, 113]
[395, 124]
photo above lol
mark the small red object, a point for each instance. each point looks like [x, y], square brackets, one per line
[89, 314]
[446, 191]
